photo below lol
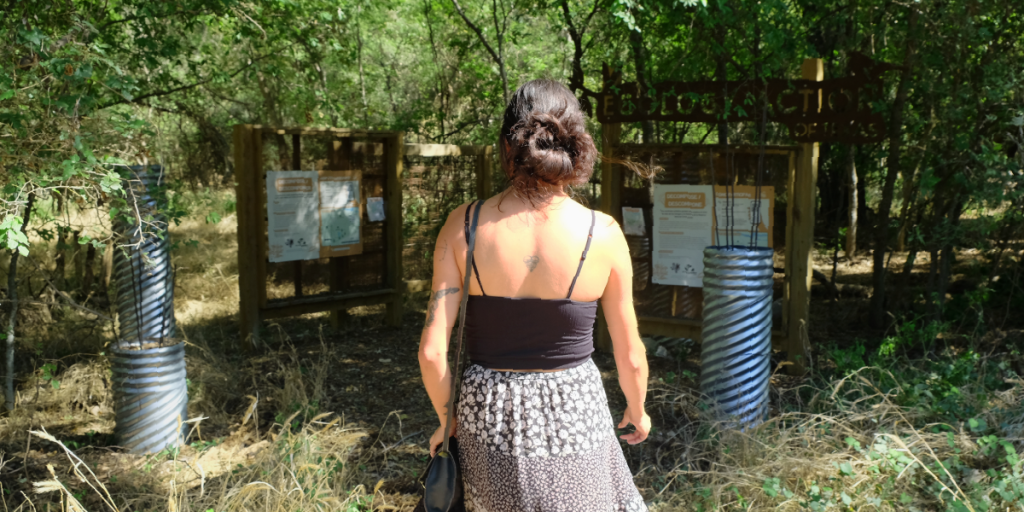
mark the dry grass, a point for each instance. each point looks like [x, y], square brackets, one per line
[259, 440]
[851, 447]
[308, 469]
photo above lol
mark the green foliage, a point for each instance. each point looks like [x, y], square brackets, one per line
[916, 334]
[48, 373]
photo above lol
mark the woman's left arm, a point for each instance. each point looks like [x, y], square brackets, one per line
[442, 311]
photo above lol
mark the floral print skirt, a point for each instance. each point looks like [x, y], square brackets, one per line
[541, 441]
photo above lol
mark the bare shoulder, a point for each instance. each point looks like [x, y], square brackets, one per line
[606, 222]
[457, 218]
[607, 228]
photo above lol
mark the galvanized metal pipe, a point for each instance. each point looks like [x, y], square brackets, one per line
[148, 377]
[142, 266]
[151, 397]
[737, 332]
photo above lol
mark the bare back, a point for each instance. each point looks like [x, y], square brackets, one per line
[521, 252]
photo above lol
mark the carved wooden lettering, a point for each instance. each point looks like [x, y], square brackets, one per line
[833, 110]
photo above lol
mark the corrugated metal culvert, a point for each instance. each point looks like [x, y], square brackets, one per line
[737, 332]
[152, 399]
[148, 363]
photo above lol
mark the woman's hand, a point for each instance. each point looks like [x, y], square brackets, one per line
[438, 438]
[640, 420]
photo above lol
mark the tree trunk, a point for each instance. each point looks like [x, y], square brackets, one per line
[12, 297]
[893, 169]
[721, 74]
[270, 107]
[577, 83]
[362, 80]
[851, 175]
[946, 258]
[636, 42]
[60, 260]
[905, 209]
[87, 276]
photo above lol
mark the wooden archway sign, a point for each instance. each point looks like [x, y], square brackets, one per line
[815, 110]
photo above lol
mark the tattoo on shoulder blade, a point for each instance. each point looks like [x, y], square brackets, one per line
[531, 262]
[435, 299]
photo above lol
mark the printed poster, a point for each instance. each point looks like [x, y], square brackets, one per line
[292, 217]
[739, 205]
[683, 225]
[341, 213]
[633, 221]
[375, 208]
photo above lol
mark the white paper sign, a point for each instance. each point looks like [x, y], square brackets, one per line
[633, 221]
[683, 216]
[375, 208]
[292, 217]
[337, 193]
[741, 215]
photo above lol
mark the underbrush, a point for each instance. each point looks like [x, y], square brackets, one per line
[929, 416]
[856, 443]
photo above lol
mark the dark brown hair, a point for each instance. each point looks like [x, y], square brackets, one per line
[544, 144]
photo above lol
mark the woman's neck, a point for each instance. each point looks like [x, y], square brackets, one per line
[555, 201]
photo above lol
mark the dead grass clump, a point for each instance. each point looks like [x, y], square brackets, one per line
[216, 387]
[309, 468]
[206, 269]
[73, 402]
[864, 452]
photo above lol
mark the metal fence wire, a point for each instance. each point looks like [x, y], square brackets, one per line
[432, 188]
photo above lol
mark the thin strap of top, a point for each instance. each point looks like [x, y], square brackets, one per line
[590, 236]
[475, 271]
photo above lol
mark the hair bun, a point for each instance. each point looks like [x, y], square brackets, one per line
[544, 143]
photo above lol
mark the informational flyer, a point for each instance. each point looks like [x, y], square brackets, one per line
[633, 221]
[341, 213]
[735, 206]
[375, 208]
[292, 217]
[683, 224]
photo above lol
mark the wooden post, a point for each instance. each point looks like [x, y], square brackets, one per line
[297, 166]
[611, 203]
[611, 175]
[485, 173]
[259, 182]
[246, 182]
[801, 240]
[393, 151]
[340, 158]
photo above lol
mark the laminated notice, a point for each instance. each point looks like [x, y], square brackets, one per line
[683, 223]
[292, 216]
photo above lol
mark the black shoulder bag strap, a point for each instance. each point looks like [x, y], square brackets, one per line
[471, 243]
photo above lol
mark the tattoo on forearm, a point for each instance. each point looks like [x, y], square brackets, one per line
[435, 300]
[531, 262]
[444, 252]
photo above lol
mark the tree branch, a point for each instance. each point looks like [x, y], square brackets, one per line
[173, 90]
[480, 35]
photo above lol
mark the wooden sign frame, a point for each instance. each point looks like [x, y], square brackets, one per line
[250, 178]
[792, 336]
[833, 110]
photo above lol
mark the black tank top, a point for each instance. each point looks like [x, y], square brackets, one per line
[530, 333]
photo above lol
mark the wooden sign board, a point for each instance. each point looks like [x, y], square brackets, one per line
[833, 110]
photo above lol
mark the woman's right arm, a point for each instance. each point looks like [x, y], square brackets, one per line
[442, 310]
[630, 353]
